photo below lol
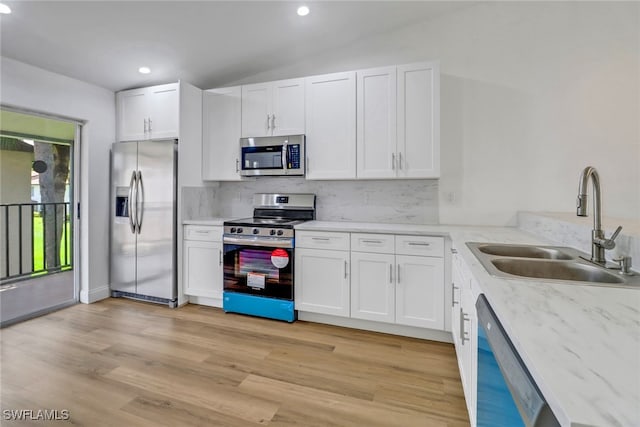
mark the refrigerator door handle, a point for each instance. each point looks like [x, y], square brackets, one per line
[140, 200]
[130, 204]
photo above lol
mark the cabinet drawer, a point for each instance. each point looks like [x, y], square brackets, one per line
[376, 243]
[420, 245]
[322, 240]
[203, 232]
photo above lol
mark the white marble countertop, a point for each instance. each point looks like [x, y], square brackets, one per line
[580, 342]
[205, 221]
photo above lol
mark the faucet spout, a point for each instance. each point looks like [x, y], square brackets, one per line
[598, 242]
[590, 172]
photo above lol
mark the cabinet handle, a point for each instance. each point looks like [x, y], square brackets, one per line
[237, 165]
[268, 127]
[390, 273]
[202, 231]
[324, 239]
[393, 161]
[419, 244]
[463, 333]
[220, 257]
[273, 121]
[149, 124]
[371, 241]
[145, 127]
[400, 160]
[398, 274]
[346, 267]
[454, 251]
[308, 164]
[453, 294]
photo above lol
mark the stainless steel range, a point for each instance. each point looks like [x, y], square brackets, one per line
[259, 254]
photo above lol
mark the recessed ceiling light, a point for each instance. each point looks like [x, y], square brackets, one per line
[144, 70]
[303, 11]
[5, 9]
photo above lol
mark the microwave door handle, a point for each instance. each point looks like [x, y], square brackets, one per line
[285, 156]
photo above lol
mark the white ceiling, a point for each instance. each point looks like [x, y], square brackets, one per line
[206, 43]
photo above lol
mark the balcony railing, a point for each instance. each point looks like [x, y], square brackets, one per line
[25, 240]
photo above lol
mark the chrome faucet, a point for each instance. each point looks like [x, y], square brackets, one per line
[598, 242]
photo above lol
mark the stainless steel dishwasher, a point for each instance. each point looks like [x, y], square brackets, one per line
[507, 394]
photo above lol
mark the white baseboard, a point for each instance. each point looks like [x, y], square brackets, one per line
[387, 328]
[88, 296]
[211, 302]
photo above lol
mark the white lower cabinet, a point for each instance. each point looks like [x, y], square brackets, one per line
[322, 281]
[202, 261]
[393, 288]
[420, 291]
[373, 293]
[376, 277]
[464, 326]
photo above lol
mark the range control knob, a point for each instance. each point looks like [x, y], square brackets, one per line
[279, 232]
[256, 231]
[233, 229]
[239, 229]
[272, 232]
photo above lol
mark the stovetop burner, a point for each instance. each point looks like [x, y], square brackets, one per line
[274, 215]
[263, 221]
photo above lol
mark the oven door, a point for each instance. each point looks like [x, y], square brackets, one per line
[259, 266]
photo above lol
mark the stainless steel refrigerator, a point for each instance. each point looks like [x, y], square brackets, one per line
[143, 220]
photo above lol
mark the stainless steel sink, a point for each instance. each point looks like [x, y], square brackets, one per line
[524, 251]
[550, 263]
[540, 269]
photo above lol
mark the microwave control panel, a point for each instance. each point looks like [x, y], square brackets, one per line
[293, 156]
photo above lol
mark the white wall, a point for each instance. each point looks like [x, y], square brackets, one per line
[531, 92]
[32, 88]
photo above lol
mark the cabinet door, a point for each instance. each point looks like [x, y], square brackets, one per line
[420, 291]
[202, 264]
[372, 286]
[322, 281]
[456, 296]
[418, 121]
[469, 350]
[331, 126]
[256, 110]
[164, 107]
[132, 114]
[376, 123]
[220, 134]
[287, 113]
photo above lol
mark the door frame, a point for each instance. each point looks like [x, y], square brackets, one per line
[74, 205]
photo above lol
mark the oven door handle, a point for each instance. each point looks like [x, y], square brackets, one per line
[256, 241]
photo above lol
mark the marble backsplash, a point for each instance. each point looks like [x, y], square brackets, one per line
[397, 201]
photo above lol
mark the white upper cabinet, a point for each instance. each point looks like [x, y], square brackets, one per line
[273, 109]
[331, 126]
[376, 123]
[418, 121]
[221, 134]
[256, 110]
[398, 116]
[148, 113]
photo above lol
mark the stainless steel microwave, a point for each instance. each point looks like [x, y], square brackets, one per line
[272, 155]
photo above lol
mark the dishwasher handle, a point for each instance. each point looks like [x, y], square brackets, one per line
[531, 404]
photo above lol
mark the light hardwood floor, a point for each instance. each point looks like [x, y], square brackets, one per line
[127, 363]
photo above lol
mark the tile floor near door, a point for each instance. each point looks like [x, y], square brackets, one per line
[125, 363]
